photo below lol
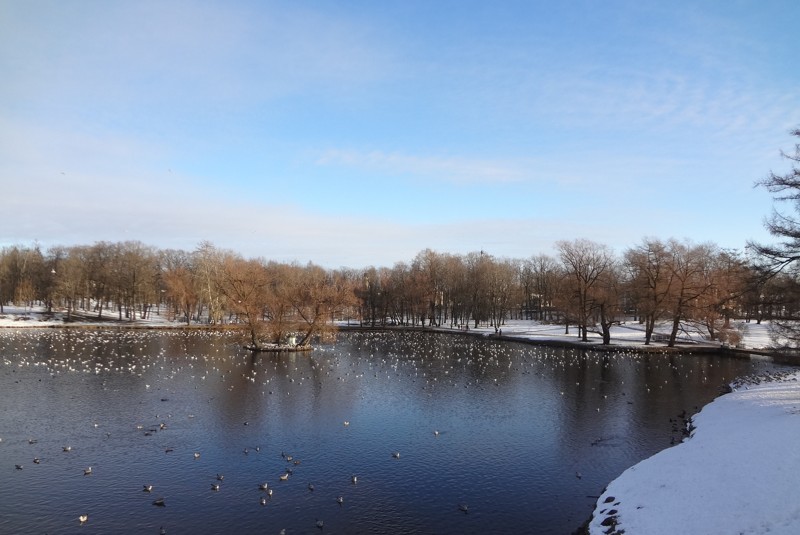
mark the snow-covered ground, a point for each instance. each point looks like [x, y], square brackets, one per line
[628, 333]
[736, 474]
[14, 316]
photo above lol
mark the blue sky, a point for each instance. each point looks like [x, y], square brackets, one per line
[359, 133]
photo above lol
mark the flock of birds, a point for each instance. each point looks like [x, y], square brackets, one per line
[416, 360]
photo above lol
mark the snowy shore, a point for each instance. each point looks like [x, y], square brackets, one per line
[736, 474]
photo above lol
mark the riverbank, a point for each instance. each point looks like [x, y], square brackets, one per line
[756, 338]
[737, 473]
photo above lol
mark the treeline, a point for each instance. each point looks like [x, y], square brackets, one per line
[584, 286]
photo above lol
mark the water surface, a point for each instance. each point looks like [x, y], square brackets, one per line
[524, 438]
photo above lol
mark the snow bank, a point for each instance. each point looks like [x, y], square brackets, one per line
[737, 474]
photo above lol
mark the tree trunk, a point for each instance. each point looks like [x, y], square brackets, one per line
[676, 322]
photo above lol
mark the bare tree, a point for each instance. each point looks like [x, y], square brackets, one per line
[208, 261]
[608, 299]
[783, 256]
[687, 266]
[584, 261]
[650, 280]
[245, 285]
[315, 296]
[179, 285]
[785, 227]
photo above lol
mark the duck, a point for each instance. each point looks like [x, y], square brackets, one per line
[147, 488]
[215, 486]
[396, 455]
[263, 486]
[67, 449]
[159, 502]
[463, 507]
[196, 455]
[83, 518]
[87, 471]
[220, 477]
[311, 487]
[263, 501]
[354, 479]
[284, 476]
[340, 500]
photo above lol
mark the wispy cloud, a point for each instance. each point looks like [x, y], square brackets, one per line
[146, 55]
[454, 169]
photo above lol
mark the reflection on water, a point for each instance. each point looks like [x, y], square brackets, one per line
[521, 437]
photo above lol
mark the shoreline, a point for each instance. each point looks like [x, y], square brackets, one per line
[548, 340]
[738, 464]
[593, 345]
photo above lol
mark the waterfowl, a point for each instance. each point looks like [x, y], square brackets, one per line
[354, 479]
[396, 455]
[87, 471]
[36, 460]
[284, 476]
[220, 477]
[147, 488]
[263, 501]
[18, 466]
[320, 524]
[214, 486]
[83, 518]
[196, 455]
[67, 448]
[463, 507]
[263, 486]
[159, 502]
[340, 500]
[311, 487]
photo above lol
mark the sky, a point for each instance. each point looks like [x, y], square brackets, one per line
[359, 133]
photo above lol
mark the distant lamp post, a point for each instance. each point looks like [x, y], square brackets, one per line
[50, 299]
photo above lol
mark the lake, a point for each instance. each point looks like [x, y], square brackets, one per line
[444, 433]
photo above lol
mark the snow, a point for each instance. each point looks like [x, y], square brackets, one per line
[736, 474]
[627, 334]
[15, 316]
